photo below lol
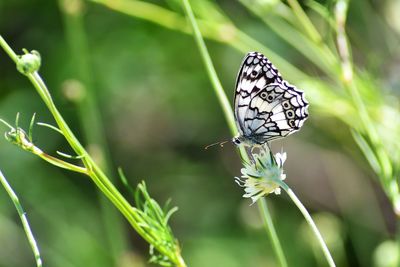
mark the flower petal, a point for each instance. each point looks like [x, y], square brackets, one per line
[261, 177]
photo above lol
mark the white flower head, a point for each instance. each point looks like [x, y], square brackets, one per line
[263, 176]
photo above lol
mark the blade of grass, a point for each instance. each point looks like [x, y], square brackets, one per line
[349, 80]
[305, 21]
[317, 53]
[226, 32]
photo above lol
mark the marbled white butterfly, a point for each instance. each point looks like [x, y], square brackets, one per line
[266, 106]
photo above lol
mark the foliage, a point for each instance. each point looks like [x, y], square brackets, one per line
[137, 96]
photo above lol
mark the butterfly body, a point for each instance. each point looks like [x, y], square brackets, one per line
[266, 106]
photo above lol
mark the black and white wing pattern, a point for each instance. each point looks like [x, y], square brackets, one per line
[266, 106]
[255, 73]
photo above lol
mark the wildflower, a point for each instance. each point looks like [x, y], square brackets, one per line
[263, 176]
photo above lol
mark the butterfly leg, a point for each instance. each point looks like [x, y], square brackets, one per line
[255, 149]
[249, 152]
[270, 152]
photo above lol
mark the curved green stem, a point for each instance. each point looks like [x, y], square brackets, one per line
[310, 222]
[95, 173]
[386, 169]
[90, 116]
[212, 74]
[24, 219]
[62, 164]
[227, 109]
[317, 52]
[211, 30]
[269, 226]
[305, 21]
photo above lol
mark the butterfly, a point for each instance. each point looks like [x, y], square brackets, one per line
[266, 106]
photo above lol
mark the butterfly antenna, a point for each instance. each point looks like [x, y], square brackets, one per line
[221, 144]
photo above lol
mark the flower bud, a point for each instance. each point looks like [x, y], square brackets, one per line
[29, 62]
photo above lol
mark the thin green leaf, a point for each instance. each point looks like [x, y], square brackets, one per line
[323, 11]
[367, 151]
[30, 132]
[69, 156]
[168, 215]
[50, 126]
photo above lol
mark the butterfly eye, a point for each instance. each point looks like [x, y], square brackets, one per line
[254, 74]
[236, 141]
[290, 114]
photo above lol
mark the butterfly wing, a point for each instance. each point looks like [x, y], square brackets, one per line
[276, 111]
[255, 73]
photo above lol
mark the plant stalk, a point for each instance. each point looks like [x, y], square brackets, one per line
[227, 109]
[90, 116]
[95, 173]
[24, 219]
[269, 227]
[310, 222]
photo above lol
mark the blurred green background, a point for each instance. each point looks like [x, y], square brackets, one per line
[153, 99]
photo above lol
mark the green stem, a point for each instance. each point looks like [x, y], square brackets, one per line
[310, 222]
[328, 62]
[305, 21]
[62, 164]
[269, 227]
[97, 175]
[318, 53]
[23, 142]
[211, 30]
[212, 74]
[24, 219]
[90, 115]
[227, 109]
[89, 112]
[8, 49]
[386, 173]
[245, 43]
